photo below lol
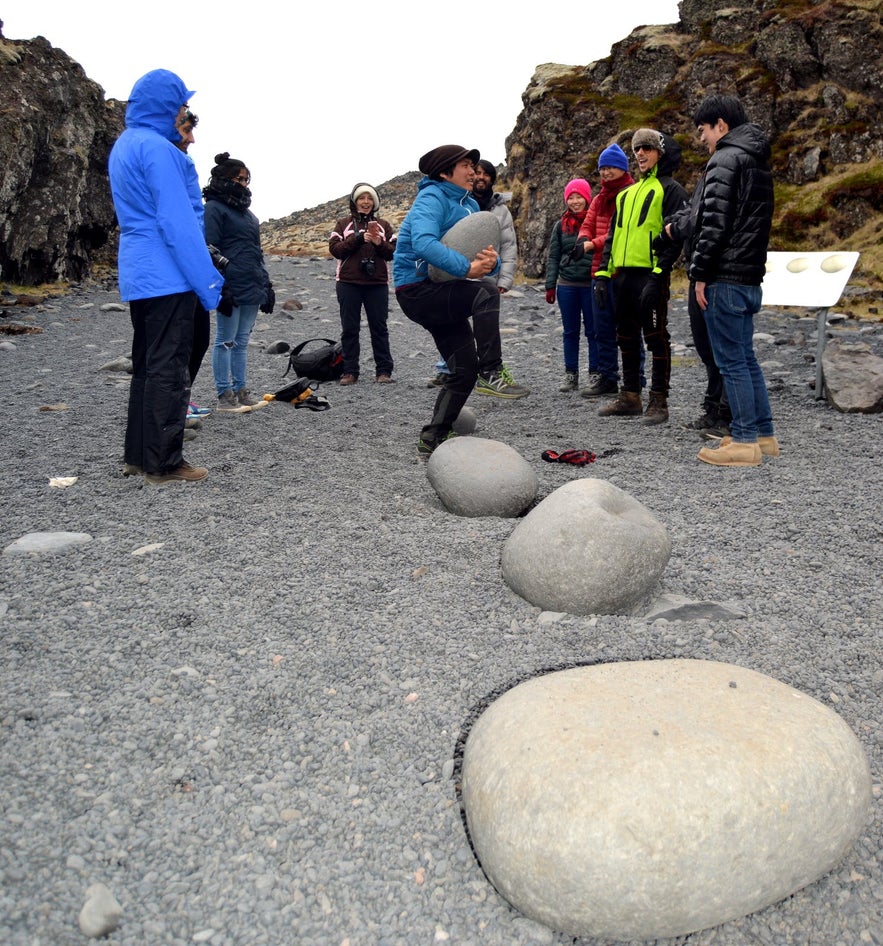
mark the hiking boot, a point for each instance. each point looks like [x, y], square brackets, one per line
[227, 402]
[189, 434]
[192, 423]
[439, 381]
[571, 381]
[598, 386]
[627, 404]
[703, 422]
[132, 469]
[769, 446]
[500, 384]
[717, 432]
[184, 474]
[657, 409]
[731, 454]
[347, 380]
[244, 397]
[384, 379]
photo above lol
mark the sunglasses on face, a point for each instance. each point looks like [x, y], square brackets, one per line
[639, 148]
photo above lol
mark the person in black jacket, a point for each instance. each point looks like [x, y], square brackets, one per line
[727, 265]
[235, 231]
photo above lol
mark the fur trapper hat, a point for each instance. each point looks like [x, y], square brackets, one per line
[360, 189]
[649, 136]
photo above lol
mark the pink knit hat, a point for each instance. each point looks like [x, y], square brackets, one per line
[578, 186]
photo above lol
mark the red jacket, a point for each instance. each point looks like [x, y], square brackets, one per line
[599, 215]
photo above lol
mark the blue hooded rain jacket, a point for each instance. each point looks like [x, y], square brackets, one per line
[437, 207]
[162, 245]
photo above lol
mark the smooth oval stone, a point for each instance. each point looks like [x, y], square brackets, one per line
[468, 236]
[46, 542]
[652, 799]
[474, 476]
[588, 548]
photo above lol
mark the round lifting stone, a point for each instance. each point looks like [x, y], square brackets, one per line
[652, 799]
[468, 236]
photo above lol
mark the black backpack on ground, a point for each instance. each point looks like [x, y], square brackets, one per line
[317, 364]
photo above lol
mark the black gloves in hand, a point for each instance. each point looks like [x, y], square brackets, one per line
[601, 291]
[270, 304]
[227, 303]
[661, 243]
[651, 294]
[576, 254]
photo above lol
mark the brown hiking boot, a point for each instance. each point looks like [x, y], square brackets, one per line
[627, 404]
[184, 474]
[657, 409]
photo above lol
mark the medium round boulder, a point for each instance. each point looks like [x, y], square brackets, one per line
[588, 548]
[646, 800]
[474, 476]
[468, 236]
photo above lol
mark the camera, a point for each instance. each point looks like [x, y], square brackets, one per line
[368, 266]
[218, 258]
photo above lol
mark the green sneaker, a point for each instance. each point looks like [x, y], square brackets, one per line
[500, 384]
[426, 447]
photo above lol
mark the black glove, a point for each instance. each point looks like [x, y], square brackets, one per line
[227, 303]
[576, 254]
[270, 304]
[601, 291]
[661, 243]
[651, 294]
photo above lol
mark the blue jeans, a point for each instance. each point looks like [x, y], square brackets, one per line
[232, 333]
[575, 303]
[730, 321]
[605, 336]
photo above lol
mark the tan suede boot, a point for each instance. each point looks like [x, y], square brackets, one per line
[769, 446]
[731, 454]
[628, 404]
[657, 409]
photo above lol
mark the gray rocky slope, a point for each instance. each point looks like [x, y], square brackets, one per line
[242, 705]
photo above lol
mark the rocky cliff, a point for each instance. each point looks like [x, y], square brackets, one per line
[56, 131]
[810, 73]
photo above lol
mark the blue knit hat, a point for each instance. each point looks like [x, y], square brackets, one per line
[613, 157]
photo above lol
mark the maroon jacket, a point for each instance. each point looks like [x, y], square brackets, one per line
[349, 247]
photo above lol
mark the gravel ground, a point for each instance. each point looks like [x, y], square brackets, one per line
[242, 705]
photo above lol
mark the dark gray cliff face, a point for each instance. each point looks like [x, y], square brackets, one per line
[811, 74]
[56, 132]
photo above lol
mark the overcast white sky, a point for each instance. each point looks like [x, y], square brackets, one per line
[316, 96]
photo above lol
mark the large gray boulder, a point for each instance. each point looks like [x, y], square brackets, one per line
[474, 476]
[853, 377]
[588, 548]
[651, 799]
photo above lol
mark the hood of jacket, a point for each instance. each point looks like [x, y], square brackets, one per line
[748, 138]
[670, 159]
[155, 101]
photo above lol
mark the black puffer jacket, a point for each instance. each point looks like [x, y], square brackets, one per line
[734, 211]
